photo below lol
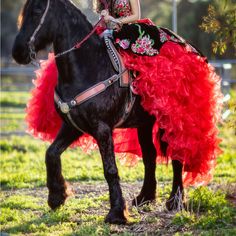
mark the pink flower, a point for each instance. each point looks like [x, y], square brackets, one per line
[117, 40]
[124, 43]
[143, 45]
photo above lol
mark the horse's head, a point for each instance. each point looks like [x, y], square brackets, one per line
[36, 30]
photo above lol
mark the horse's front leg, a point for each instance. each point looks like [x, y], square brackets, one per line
[58, 188]
[175, 201]
[104, 139]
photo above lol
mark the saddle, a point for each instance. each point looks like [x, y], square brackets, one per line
[117, 62]
[125, 80]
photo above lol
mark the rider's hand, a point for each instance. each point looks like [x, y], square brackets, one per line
[114, 23]
[105, 15]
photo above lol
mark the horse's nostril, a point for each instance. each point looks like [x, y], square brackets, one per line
[20, 54]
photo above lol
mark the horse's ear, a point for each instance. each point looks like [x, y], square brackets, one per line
[20, 19]
[22, 14]
[97, 6]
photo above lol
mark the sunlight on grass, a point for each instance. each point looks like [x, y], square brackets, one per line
[23, 165]
[24, 209]
[25, 214]
[14, 99]
[206, 209]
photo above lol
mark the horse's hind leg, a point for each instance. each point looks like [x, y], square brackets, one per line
[117, 212]
[175, 201]
[148, 192]
[58, 188]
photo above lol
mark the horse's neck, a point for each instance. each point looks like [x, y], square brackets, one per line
[83, 67]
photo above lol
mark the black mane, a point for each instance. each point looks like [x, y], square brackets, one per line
[76, 18]
[75, 13]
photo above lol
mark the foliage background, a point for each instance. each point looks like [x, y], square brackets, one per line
[190, 13]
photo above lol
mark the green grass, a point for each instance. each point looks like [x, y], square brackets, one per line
[12, 115]
[25, 214]
[14, 99]
[206, 210]
[19, 155]
[23, 200]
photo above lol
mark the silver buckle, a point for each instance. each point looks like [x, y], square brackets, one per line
[64, 107]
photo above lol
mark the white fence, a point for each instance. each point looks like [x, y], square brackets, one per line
[225, 68]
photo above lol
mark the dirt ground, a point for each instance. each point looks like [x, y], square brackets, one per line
[154, 219]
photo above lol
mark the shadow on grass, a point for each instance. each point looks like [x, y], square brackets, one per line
[59, 220]
[7, 104]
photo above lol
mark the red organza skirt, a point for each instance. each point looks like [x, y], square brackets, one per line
[178, 87]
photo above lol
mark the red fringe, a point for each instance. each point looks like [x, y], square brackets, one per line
[177, 86]
[41, 116]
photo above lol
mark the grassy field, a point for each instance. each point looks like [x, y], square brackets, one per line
[211, 210]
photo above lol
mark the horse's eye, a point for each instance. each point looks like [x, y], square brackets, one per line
[37, 12]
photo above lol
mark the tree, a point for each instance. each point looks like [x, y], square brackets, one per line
[190, 15]
[221, 20]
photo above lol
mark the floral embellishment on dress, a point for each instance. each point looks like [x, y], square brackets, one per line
[163, 36]
[124, 43]
[144, 44]
[166, 37]
[122, 8]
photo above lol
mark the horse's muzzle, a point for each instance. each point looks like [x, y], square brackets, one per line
[20, 53]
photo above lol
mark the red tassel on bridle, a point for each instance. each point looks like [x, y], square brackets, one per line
[79, 44]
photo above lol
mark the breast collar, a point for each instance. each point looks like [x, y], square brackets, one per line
[122, 76]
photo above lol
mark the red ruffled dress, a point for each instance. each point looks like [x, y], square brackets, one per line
[176, 85]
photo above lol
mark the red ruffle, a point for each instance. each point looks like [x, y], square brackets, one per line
[183, 92]
[177, 86]
[41, 116]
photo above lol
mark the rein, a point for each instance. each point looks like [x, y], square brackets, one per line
[79, 44]
[76, 46]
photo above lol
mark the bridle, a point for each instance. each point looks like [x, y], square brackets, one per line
[32, 38]
[76, 46]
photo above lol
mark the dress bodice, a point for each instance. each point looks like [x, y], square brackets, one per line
[122, 8]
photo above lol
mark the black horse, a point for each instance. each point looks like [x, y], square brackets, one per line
[63, 26]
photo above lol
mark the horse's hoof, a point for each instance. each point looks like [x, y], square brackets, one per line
[55, 200]
[142, 200]
[58, 198]
[117, 217]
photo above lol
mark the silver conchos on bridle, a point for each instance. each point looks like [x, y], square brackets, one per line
[64, 107]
